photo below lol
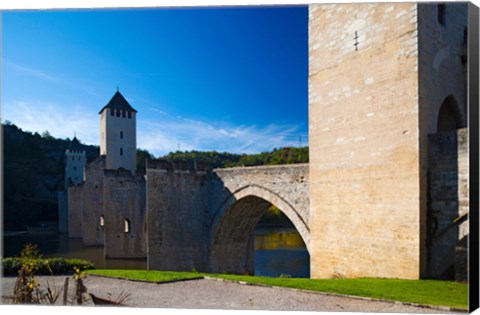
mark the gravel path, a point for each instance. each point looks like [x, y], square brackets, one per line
[215, 294]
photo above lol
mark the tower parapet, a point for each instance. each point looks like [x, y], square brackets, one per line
[75, 160]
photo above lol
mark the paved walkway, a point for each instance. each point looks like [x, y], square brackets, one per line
[216, 294]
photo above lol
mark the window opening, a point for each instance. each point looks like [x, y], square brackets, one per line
[441, 10]
[449, 116]
[102, 221]
[126, 226]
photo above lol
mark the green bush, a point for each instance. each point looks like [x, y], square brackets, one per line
[45, 266]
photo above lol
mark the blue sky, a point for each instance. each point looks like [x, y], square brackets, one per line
[229, 79]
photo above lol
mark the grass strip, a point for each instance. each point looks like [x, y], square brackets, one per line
[430, 292]
[146, 275]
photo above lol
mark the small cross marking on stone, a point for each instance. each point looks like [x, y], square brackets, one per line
[356, 41]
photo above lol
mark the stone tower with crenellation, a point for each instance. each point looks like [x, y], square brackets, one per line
[118, 134]
[75, 160]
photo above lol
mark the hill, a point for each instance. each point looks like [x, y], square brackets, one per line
[221, 160]
[33, 174]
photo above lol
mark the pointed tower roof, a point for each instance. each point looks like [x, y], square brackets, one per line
[118, 102]
[75, 145]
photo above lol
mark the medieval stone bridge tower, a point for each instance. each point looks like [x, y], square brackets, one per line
[387, 97]
[385, 193]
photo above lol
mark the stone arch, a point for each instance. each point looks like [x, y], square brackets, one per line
[230, 249]
[450, 116]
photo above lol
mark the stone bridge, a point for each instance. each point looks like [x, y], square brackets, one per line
[201, 219]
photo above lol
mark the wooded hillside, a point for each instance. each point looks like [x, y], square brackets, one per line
[33, 171]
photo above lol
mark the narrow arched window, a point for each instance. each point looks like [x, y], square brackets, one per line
[123, 114]
[112, 112]
[129, 114]
[441, 10]
[449, 118]
[102, 221]
[118, 113]
[121, 134]
[121, 151]
[126, 226]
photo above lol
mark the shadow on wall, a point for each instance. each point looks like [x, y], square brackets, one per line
[447, 198]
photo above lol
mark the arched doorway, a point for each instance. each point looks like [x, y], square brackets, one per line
[449, 116]
[447, 191]
[232, 245]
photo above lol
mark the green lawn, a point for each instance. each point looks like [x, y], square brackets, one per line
[432, 292]
[146, 275]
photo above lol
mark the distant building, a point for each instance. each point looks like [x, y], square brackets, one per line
[90, 214]
[118, 138]
[75, 160]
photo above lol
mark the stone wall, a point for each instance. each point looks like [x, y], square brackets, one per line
[75, 208]
[125, 213]
[92, 204]
[442, 71]
[448, 200]
[62, 200]
[364, 151]
[176, 202]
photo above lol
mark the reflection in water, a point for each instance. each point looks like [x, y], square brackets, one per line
[62, 246]
[277, 252]
[281, 253]
[267, 239]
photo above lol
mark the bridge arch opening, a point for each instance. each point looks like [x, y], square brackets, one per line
[233, 240]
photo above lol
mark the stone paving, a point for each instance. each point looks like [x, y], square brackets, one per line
[216, 294]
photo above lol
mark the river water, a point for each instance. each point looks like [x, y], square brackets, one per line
[279, 252]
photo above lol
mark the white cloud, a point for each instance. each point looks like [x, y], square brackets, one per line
[168, 133]
[160, 133]
[60, 121]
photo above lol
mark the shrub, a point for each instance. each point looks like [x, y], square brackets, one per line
[26, 285]
[44, 266]
[30, 251]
